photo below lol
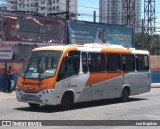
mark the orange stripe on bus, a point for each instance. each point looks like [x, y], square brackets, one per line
[116, 50]
[100, 77]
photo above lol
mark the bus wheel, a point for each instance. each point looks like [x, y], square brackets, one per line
[67, 101]
[125, 95]
[33, 105]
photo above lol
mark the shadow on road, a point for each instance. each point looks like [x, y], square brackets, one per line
[52, 109]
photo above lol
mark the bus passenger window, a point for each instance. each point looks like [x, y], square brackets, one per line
[84, 63]
[142, 63]
[128, 63]
[96, 62]
[113, 62]
[70, 65]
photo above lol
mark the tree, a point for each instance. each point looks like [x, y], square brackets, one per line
[141, 42]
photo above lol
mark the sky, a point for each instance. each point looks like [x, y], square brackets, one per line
[86, 9]
[95, 5]
[2, 1]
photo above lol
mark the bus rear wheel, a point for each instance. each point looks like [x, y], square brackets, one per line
[66, 102]
[125, 95]
[33, 105]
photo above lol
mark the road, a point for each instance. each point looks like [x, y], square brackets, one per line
[140, 107]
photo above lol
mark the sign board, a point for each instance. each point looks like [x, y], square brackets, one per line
[6, 46]
[6, 55]
[26, 28]
[83, 32]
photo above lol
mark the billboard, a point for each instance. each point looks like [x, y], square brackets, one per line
[85, 32]
[35, 29]
[21, 33]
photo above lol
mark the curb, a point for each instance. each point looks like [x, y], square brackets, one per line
[155, 85]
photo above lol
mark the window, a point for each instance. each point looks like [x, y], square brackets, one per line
[49, 9]
[113, 62]
[70, 65]
[41, 64]
[84, 63]
[43, 2]
[128, 63]
[142, 63]
[42, 8]
[96, 62]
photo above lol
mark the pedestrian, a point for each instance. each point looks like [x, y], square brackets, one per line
[8, 77]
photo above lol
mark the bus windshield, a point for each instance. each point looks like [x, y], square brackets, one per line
[41, 64]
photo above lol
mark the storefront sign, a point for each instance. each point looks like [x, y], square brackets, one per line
[6, 55]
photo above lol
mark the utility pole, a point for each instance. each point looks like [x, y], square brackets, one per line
[142, 35]
[67, 10]
[129, 13]
[94, 16]
[66, 13]
[149, 22]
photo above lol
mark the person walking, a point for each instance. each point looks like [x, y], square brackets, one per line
[8, 77]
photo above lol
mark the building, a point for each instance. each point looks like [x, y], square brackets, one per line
[114, 12]
[42, 7]
[3, 7]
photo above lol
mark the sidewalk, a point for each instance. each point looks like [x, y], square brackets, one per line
[7, 95]
[155, 85]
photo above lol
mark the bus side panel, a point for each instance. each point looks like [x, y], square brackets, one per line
[111, 88]
[76, 84]
[145, 82]
[138, 81]
[115, 87]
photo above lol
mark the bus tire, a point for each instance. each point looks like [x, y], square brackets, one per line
[67, 101]
[125, 94]
[33, 105]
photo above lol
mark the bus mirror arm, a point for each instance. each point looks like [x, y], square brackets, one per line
[26, 71]
[39, 76]
[40, 70]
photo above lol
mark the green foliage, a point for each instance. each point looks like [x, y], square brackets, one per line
[150, 43]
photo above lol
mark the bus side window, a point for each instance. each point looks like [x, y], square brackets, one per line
[128, 63]
[142, 63]
[69, 65]
[84, 62]
[113, 62]
[96, 62]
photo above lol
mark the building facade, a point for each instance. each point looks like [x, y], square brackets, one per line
[42, 7]
[114, 12]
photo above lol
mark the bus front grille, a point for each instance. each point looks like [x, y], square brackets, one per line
[28, 97]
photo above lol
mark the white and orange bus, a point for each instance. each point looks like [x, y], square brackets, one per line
[63, 75]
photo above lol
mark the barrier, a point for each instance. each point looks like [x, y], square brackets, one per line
[155, 76]
[3, 82]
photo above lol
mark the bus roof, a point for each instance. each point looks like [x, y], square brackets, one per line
[93, 47]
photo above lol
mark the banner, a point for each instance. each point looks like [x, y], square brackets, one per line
[6, 46]
[85, 32]
[22, 123]
[6, 55]
[26, 28]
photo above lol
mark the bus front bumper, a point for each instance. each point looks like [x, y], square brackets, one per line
[46, 97]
